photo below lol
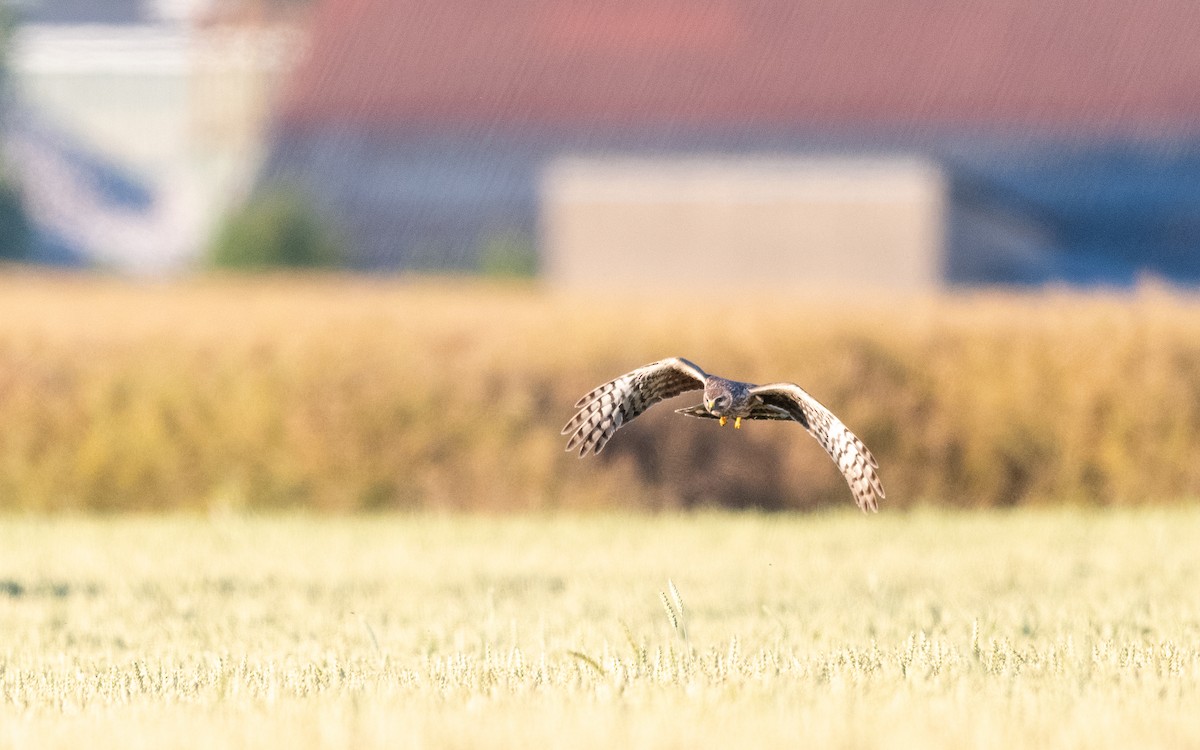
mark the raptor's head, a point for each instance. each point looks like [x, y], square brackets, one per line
[718, 398]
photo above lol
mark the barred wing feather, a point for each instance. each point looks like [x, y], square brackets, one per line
[605, 409]
[856, 463]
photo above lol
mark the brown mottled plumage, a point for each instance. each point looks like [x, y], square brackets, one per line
[606, 408]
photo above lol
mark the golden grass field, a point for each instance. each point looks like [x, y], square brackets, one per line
[983, 629]
[502, 593]
[338, 394]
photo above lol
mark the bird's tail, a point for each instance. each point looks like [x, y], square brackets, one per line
[759, 411]
[696, 411]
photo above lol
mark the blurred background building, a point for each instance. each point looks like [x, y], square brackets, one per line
[134, 124]
[920, 142]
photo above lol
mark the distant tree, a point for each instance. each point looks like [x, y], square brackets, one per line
[15, 232]
[275, 228]
[509, 253]
[8, 23]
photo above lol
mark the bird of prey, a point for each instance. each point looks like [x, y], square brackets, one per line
[618, 401]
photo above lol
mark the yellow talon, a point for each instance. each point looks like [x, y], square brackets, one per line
[737, 423]
[724, 420]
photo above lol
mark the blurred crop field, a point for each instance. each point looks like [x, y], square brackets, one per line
[181, 564]
[935, 629]
[340, 394]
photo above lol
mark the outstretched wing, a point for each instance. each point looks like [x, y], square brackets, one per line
[616, 402]
[843, 446]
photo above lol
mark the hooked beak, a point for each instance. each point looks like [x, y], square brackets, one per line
[708, 403]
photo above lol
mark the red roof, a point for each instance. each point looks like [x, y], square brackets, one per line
[1095, 65]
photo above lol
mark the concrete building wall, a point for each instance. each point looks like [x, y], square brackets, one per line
[784, 221]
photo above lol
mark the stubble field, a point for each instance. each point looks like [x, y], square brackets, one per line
[1068, 628]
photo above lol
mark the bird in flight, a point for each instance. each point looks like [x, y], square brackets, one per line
[618, 401]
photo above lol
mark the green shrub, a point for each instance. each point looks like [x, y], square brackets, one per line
[276, 228]
[14, 225]
[508, 254]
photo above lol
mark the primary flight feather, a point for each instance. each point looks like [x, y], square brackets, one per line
[605, 409]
